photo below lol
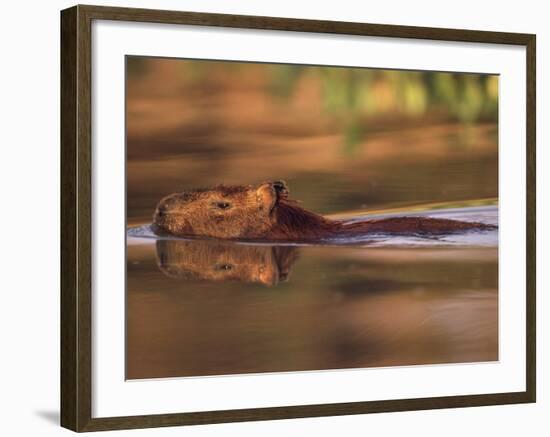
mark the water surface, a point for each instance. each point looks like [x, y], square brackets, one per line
[206, 307]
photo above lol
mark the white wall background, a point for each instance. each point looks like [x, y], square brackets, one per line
[29, 176]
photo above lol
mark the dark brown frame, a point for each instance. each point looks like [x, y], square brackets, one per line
[76, 255]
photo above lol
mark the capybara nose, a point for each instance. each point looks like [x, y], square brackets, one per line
[280, 186]
[161, 209]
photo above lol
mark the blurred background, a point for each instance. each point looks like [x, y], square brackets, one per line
[347, 140]
[343, 138]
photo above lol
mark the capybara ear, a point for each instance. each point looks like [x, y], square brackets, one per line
[267, 195]
[269, 275]
[281, 187]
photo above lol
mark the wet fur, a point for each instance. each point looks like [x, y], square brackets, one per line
[294, 222]
[265, 212]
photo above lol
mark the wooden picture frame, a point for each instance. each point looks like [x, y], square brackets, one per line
[76, 197]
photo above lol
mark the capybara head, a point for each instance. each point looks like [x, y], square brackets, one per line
[225, 212]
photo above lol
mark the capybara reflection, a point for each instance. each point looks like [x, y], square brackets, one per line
[265, 212]
[220, 261]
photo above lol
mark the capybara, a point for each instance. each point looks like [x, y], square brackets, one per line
[265, 212]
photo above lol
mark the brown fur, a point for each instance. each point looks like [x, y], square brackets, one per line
[265, 212]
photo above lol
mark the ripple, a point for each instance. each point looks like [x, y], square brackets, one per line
[471, 238]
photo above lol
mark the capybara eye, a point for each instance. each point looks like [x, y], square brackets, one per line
[223, 205]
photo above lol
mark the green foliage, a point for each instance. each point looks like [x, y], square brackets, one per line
[284, 78]
[353, 134]
[353, 94]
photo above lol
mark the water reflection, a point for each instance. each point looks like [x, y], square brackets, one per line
[225, 261]
[343, 307]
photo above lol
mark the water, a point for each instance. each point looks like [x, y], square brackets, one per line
[208, 308]
[205, 307]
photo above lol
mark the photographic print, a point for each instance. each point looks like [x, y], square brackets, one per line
[285, 218]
